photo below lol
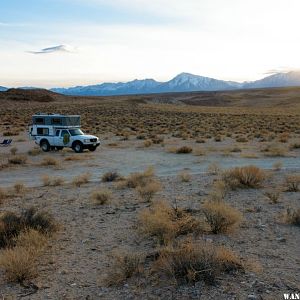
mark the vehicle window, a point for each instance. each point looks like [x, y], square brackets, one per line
[42, 131]
[63, 132]
[39, 120]
[56, 121]
[74, 132]
[57, 132]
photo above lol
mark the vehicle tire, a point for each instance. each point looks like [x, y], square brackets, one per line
[58, 148]
[45, 146]
[77, 147]
[92, 148]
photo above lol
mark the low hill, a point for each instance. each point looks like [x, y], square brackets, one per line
[38, 95]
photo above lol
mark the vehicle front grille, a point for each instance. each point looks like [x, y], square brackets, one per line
[93, 140]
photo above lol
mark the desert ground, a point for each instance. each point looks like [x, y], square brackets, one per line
[189, 196]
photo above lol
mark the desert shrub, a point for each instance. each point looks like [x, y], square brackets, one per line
[148, 190]
[110, 176]
[11, 224]
[292, 216]
[292, 183]
[101, 196]
[126, 265]
[13, 150]
[49, 161]
[284, 137]
[41, 221]
[184, 150]
[244, 177]
[218, 138]
[34, 151]
[295, 145]
[213, 169]
[272, 195]
[19, 187]
[274, 150]
[165, 222]
[192, 262]
[241, 139]
[220, 216]
[147, 143]
[17, 159]
[19, 262]
[184, 176]
[81, 179]
[139, 179]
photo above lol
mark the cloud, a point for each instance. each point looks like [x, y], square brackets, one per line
[54, 49]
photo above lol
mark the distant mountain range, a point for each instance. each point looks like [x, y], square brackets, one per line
[3, 89]
[183, 82]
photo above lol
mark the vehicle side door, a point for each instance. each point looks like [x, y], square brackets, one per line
[65, 138]
[56, 138]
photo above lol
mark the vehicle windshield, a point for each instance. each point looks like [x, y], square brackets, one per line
[74, 132]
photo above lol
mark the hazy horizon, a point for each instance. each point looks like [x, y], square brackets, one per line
[63, 43]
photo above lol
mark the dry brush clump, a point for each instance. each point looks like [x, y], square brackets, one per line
[17, 160]
[184, 176]
[125, 265]
[292, 183]
[244, 177]
[273, 195]
[49, 161]
[111, 176]
[22, 238]
[292, 216]
[79, 180]
[101, 196]
[190, 262]
[165, 222]
[52, 181]
[138, 179]
[149, 189]
[221, 217]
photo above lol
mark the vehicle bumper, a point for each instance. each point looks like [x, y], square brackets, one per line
[86, 146]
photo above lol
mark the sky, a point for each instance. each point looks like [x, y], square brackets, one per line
[56, 43]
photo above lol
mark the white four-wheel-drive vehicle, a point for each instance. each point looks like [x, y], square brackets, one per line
[54, 132]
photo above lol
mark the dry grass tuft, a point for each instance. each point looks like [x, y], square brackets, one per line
[292, 216]
[221, 217]
[52, 181]
[17, 160]
[244, 177]
[292, 183]
[184, 176]
[111, 176]
[147, 191]
[192, 262]
[135, 180]
[81, 179]
[165, 222]
[126, 265]
[35, 151]
[19, 262]
[273, 195]
[49, 161]
[19, 188]
[101, 196]
[184, 150]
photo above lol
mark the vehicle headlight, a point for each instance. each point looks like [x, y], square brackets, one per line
[86, 141]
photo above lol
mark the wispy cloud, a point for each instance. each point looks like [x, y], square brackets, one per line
[54, 49]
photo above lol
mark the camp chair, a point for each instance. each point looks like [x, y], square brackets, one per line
[5, 143]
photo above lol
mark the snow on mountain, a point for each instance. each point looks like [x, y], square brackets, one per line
[276, 80]
[3, 89]
[184, 82]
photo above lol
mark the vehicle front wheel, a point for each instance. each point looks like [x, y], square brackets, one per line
[45, 146]
[92, 148]
[78, 147]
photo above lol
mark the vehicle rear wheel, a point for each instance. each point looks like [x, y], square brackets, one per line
[78, 147]
[45, 146]
[92, 148]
